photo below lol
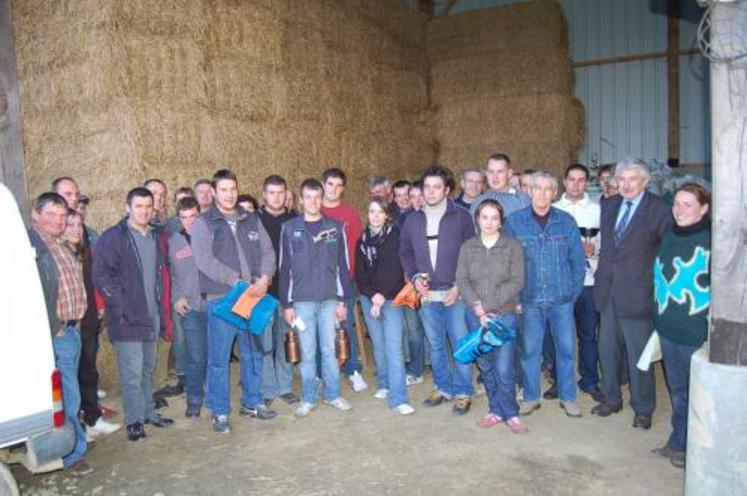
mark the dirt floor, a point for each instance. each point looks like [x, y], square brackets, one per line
[371, 450]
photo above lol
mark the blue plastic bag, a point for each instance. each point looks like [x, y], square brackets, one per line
[483, 340]
[223, 310]
[262, 313]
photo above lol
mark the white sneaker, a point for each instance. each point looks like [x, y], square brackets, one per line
[411, 380]
[101, 427]
[339, 403]
[101, 394]
[479, 389]
[357, 381]
[405, 409]
[381, 394]
[303, 409]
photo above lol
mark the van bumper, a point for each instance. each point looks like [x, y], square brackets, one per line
[40, 447]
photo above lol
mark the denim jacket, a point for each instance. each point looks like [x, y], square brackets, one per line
[554, 257]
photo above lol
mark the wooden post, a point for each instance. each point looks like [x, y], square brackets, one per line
[427, 7]
[11, 137]
[728, 333]
[673, 82]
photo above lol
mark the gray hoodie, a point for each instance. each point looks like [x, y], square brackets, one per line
[185, 278]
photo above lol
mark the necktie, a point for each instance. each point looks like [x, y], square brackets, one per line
[620, 229]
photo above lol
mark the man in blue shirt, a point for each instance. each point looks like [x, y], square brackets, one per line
[555, 269]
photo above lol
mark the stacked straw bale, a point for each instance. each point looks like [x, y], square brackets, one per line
[502, 80]
[117, 91]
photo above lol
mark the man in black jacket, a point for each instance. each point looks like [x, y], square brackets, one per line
[129, 271]
[277, 373]
[633, 224]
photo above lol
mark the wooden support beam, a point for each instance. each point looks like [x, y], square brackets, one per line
[449, 6]
[728, 333]
[633, 57]
[426, 6]
[11, 138]
[673, 83]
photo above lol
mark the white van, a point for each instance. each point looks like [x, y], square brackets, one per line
[32, 422]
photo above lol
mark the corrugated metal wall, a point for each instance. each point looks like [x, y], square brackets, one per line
[626, 103]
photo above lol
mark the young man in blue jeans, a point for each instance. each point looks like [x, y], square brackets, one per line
[554, 277]
[229, 244]
[429, 248]
[189, 305]
[314, 286]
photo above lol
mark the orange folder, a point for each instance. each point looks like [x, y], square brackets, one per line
[246, 302]
[407, 297]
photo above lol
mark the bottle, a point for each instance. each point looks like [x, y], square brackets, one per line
[292, 346]
[342, 343]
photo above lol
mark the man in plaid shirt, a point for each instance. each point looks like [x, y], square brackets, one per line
[62, 281]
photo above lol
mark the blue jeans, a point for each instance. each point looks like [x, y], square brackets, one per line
[386, 335]
[66, 357]
[195, 344]
[415, 341]
[677, 369]
[587, 321]
[560, 320]
[497, 371]
[319, 317]
[178, 346]
[441, 322]
[277, 373]
[353, 364]
[220, 341]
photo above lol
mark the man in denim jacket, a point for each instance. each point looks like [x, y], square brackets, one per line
[555, 270]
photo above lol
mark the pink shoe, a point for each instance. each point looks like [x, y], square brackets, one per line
[490, 420]
[517, 426]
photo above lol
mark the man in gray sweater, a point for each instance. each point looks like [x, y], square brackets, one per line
[189, 305]
[230, 244]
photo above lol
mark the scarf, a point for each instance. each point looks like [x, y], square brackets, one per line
[370, 242]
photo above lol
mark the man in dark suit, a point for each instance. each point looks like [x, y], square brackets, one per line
[633, 224]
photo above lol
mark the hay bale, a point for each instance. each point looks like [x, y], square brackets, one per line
[114, 91]
[506, 84]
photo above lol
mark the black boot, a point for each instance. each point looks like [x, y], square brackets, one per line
[173, 390]
[159, 402]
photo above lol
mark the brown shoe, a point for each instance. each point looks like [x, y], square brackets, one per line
[461, 406]
[81, 468]
[435, 398]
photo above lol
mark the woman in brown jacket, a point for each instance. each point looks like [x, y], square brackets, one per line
[490, 275]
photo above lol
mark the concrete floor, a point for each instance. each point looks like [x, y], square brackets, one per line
[370, 450]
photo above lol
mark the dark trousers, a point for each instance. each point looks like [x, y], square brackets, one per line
[88, 376]
[677, 369]
[618, 336]
[587, 320]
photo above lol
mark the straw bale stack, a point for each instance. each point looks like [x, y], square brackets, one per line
[502, 80]
[116, 91]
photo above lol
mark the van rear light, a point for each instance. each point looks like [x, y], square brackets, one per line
[57, 406]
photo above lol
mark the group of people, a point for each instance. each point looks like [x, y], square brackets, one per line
[507, 249]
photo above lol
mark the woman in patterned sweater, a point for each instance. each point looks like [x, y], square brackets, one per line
[682, 292]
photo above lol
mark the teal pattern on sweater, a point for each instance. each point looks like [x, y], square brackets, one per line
[682, 285]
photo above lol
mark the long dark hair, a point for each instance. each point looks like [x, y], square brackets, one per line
[79, 249]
